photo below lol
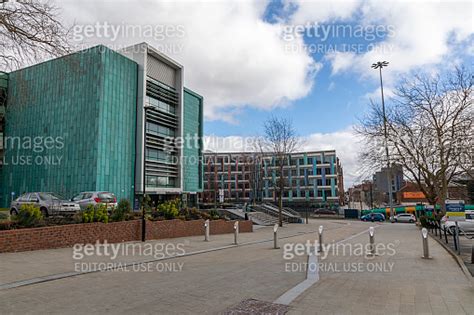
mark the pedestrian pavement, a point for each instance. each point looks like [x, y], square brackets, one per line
[23, 266]
[213, 281]
[405, 283]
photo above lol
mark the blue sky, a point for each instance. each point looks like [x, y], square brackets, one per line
[336, 101]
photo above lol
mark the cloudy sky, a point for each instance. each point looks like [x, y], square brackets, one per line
[307, 60]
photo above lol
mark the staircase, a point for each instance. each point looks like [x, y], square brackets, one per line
[261, 218]
[271, 210]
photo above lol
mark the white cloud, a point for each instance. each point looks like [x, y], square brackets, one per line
[345, 142]
[321, 10]
[231, 55]
[425, 33]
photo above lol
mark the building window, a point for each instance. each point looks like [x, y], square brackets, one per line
[160, 181]
[159, 105]
[156, 155]
[159, 130]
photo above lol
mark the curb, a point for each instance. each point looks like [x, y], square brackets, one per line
[458, 260]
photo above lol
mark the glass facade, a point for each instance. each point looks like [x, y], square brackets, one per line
[79, 112]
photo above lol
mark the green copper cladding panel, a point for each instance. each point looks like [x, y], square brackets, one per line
[192, 151]
[70, 125]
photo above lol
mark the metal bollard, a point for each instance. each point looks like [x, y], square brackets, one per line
[445, 235]
[372, 240]
[236, 232]
[454, 239]
[275, 238]
[206, 231]
[426, 250]
[457, 238]
[472, 254]
[320, 230]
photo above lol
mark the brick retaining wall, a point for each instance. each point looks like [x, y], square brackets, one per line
[116, 232]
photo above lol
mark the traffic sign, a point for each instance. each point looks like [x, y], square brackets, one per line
[455, 210]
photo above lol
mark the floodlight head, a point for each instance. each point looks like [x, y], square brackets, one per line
[275, 228]
[380, 64]
[371, 231]
[320, 229]
[424, 232]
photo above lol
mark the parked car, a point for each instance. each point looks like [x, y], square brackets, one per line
[466, 226]
[405, 217]
[324, 211]
[373, 217]
[94, 198]
[48, 203]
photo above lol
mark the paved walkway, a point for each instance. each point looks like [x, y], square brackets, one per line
[33, 264]
[211, 282]
[407, 285]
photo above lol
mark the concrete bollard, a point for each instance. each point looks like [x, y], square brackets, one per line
[236, 232]
[372, 240]
[320, 232]
[206, 230]
[426, 250]
[275, 237]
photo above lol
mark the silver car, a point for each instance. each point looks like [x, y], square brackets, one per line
[466, 226]
[50, 204]
[405, 217]
[87, 198]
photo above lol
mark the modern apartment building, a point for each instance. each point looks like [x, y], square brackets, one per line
[79, 123]
[311, 178]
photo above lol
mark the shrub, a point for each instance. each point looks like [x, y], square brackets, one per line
[95, 214]
[168, 209]
[120, 212]
[7, 225]
[4, 216]
[29, 216]
[214, 214]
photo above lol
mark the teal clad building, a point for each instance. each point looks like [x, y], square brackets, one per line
[311, 178]
[75, 124]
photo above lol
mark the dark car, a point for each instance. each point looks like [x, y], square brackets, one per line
[373, 217]
[324, 211]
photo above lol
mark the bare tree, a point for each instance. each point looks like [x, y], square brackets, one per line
[279, 141]
[30, 30]
[430, 131]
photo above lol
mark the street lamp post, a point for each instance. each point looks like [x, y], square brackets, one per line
[145, 108]
[379, 65]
